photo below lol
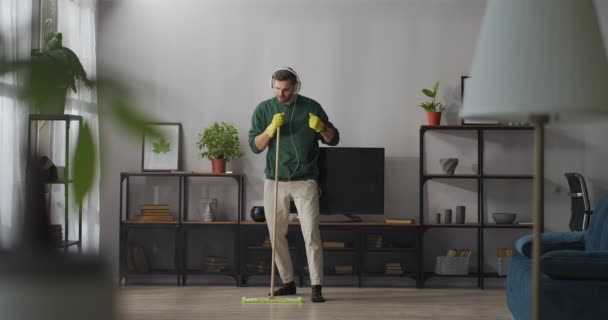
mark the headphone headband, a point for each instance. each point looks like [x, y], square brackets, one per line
[298, 84]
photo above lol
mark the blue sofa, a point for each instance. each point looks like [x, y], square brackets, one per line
[574, 273]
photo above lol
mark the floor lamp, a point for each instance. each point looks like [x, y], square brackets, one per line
[538, 61]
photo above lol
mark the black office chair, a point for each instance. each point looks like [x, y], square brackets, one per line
[581, 211]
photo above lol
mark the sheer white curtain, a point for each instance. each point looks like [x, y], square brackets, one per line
[77, 23]
[15, 30]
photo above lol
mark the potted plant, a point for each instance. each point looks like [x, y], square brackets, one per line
[433, 107]
[222, 144]
[54, 69]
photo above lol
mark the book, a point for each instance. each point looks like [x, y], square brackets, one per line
[155, 212]
[402, 221]
[333, 244]
[155, 206]
[167, 217]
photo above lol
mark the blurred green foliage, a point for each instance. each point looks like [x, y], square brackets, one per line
[43, 81]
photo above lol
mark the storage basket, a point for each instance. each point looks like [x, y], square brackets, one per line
[452, 265]
[503, 265]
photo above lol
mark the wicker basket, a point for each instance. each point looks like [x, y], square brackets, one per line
[452, 265]
[503, 265]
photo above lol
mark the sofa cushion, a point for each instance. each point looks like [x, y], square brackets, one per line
[576, 265]
[596, 237]
[552, 241]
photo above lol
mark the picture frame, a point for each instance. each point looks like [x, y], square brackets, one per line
[472, 122]
[162, 153]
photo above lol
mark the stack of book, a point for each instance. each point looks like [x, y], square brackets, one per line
[374, 241]
[260, 267]
[334, 244]
[155, 212]
[344, 269]
[504, 252]
[400, 221]
[56, 233]
[393, 268]
[266, 243]
[459, 253]
[215, 264]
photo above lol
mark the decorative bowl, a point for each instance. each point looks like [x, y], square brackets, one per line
[257, 214]
[504, 217]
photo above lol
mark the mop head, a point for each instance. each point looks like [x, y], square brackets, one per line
[269, 300]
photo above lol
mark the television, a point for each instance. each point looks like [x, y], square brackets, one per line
[351, 181]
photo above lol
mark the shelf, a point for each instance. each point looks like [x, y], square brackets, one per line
[70, 131]
[215, 223]
[200, 272]
[508, 176]
[450, 176]
[478, 135]
[474, 127]
[62, 244]
[460, 226]
[493, 275]
[507, 226]
[333, 274]
[185, 227]
[155, 272]
[345, 223]
[381, 250]
[54, 117]
[265, 248]
[149, 222]
[382, 274]
[349, 249]
[476, 176]
[428, 275]
[178, 174]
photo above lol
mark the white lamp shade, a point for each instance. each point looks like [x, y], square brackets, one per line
[538, 57]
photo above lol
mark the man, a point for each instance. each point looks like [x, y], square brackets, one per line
[302, 122]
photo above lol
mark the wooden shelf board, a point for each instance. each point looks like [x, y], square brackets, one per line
[149, 222]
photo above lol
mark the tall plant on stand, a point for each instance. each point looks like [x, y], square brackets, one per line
[54, 70]
[433, 108]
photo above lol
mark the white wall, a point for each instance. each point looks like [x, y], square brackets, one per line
[200, 61]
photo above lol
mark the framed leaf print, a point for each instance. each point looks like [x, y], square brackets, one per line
[162, 152]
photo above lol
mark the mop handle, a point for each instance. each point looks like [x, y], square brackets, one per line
[274, 219]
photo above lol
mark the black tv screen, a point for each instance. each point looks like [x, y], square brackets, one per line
[351, 180]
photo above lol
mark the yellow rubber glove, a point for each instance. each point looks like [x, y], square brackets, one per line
[277, 121]
[315, 123]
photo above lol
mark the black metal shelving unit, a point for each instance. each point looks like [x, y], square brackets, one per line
[70, 122]
[481, 226]
[181, 228]
[406, 234]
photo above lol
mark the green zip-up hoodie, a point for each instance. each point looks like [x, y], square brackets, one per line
[299, 149]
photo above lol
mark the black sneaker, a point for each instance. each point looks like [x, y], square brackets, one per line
[317, 296]
[286, 290]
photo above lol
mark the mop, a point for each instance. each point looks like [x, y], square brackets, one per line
[272, 298]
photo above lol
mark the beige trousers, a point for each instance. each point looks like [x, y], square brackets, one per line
[305, 196]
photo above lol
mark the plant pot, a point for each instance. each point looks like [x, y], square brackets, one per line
[434, 118]
[218, 165]
[55, 102]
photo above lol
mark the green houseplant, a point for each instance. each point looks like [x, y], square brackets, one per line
[432, 107]
[54, 69]
[221, 142]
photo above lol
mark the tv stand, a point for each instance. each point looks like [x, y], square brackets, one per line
[352, 217]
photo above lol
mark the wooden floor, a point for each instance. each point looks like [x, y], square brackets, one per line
[204, 302]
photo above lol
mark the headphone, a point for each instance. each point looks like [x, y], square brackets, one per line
[298, 83]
